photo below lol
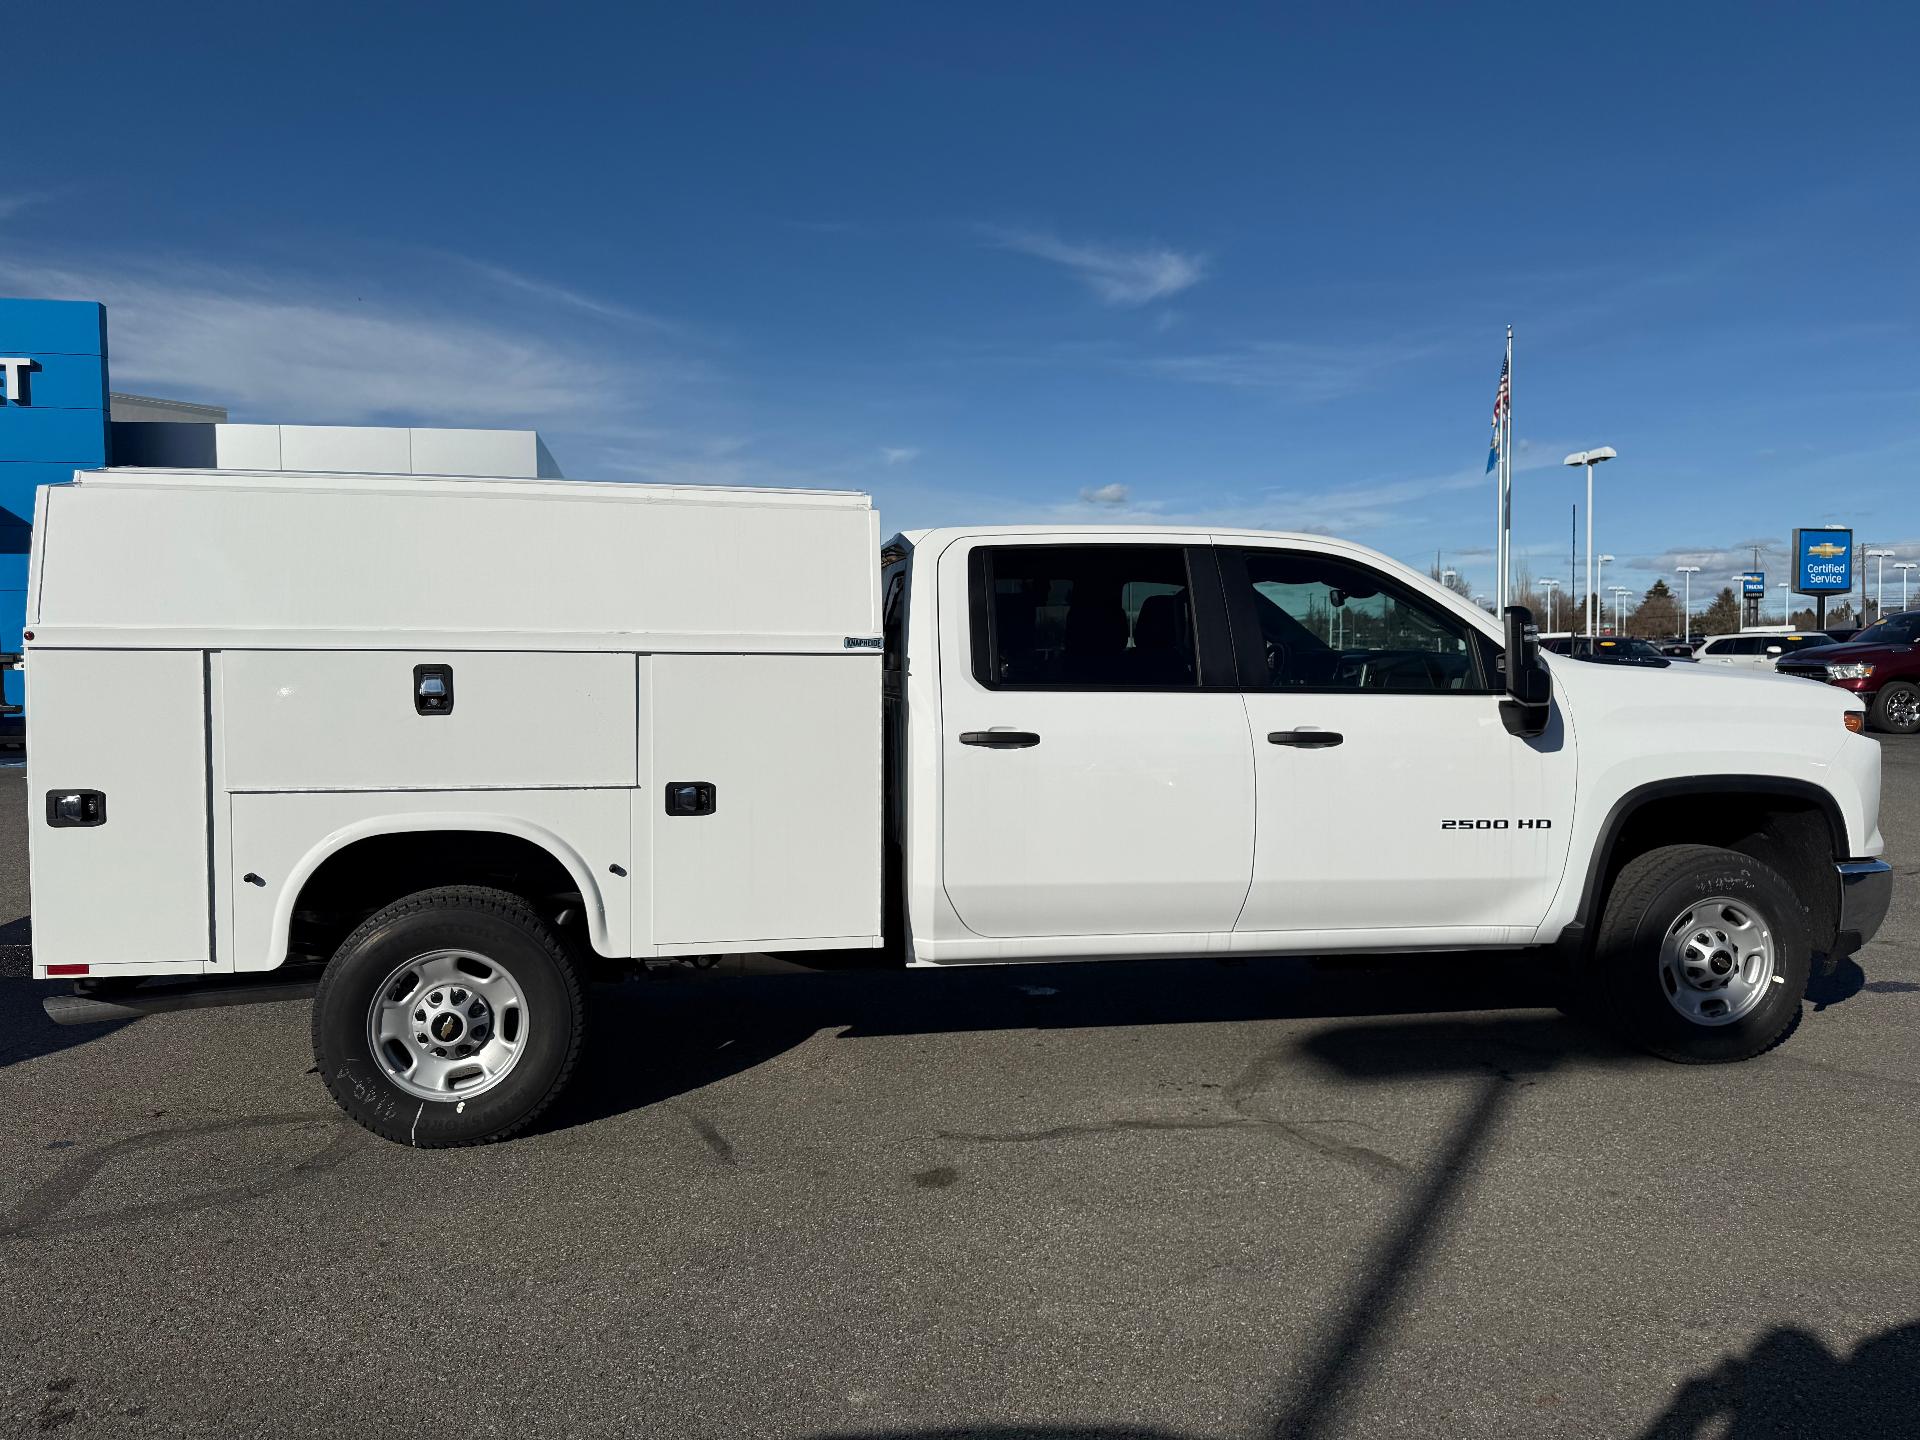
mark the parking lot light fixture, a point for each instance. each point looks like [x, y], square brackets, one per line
[1687, 572]
[1591, 458]
[1879, 581]
[1618, 618]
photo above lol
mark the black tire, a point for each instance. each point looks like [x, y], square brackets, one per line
[1653, 892]
[1896, 709]
[492, 923]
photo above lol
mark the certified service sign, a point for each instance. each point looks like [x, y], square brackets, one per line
[1822, 562]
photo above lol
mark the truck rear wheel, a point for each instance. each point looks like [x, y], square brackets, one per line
[1703, 955]
[1896, 708]
[452, 1017]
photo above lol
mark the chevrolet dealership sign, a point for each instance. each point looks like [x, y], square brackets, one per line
[14, 370]
[1822, 562]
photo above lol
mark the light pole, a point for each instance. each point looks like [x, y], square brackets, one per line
[1596, 572]
[1686, 622]
[1786, 603]
[1740, 598]
[1591, 458]
[1903, 566]
[1879, 581]
[1550, 585]
[1617, 591]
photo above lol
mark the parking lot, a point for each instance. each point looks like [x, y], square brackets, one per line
[1186, 1199]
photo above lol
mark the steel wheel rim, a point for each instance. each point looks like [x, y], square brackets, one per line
[447, 1025]
[1717, 960]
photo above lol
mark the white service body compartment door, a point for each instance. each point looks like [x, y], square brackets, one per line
[130, 725]
[790, 855]
[346, 720]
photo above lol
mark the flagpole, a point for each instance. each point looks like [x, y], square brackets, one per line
[1499, 503]
[1506, 490]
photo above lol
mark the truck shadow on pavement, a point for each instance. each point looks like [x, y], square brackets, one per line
[699, 1031]
[1788, 1386]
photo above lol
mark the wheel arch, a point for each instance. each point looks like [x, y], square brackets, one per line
[340, 844]
[1809, 835]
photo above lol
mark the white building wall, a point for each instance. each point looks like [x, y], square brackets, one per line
[334, 449]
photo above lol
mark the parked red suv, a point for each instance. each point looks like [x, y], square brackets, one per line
[1881, 665]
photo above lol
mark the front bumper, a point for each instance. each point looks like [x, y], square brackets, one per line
[1866, 889]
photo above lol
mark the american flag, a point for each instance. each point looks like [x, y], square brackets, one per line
[1499, 413]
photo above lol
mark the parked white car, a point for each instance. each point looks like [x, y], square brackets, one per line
[459, 745]
[1756, 650]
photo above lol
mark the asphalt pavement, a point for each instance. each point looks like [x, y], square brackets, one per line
[1144, 1200]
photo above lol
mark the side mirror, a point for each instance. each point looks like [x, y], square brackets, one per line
[1773, 650]
[1529, 699]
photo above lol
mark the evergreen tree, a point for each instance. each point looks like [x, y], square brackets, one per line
[1657, 615]
[1723, 616]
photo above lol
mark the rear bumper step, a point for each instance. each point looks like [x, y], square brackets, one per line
[196, 995]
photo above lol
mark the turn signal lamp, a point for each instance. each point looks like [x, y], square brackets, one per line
[1856, 721]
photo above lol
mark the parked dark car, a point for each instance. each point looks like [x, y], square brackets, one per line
[1880, 664]
[1607, 650]
[1674, 649]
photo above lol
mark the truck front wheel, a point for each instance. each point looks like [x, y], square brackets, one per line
[1703, 954]
[451, 1017]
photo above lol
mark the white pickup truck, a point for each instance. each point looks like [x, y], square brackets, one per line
[468, 743]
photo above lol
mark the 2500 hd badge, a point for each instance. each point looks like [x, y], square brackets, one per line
[1496, 824]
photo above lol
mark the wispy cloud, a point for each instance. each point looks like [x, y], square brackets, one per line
[21, 201]
[561, 295]
[1114, 494]
[1117, 276]
[1298, 369]
[280, 347]
[899, 454]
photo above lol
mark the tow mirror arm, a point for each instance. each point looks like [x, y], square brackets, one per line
[1529, 700]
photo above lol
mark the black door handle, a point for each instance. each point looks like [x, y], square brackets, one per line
[1000, 739]
[1311, 739]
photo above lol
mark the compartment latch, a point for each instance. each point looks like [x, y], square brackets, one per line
[70, 808]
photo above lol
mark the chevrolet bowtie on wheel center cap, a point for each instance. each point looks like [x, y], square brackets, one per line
[1716, 961]
[447, 1024]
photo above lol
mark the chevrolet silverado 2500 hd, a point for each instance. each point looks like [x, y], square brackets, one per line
[464, 742]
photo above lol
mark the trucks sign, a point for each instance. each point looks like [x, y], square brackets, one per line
[1754, 582]
[1822, 562]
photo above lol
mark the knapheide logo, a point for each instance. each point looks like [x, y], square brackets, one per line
[14, 370]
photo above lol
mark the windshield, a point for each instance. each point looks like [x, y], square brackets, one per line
[1894, 630]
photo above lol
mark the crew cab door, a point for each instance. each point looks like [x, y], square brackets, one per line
[1391, 797]
[1096, 768]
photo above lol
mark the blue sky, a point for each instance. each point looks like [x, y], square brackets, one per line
[1020, 262]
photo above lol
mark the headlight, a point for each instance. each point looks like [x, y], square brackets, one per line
[1853, 671]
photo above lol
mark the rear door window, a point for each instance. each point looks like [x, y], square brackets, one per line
[1084, 617]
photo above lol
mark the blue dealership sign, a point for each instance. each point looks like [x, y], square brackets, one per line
[1754, 582]
[1822, 562]
[53, 421]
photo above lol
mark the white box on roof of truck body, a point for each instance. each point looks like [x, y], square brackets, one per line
[208, 559]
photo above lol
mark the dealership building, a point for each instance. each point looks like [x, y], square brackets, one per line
[59, 413]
